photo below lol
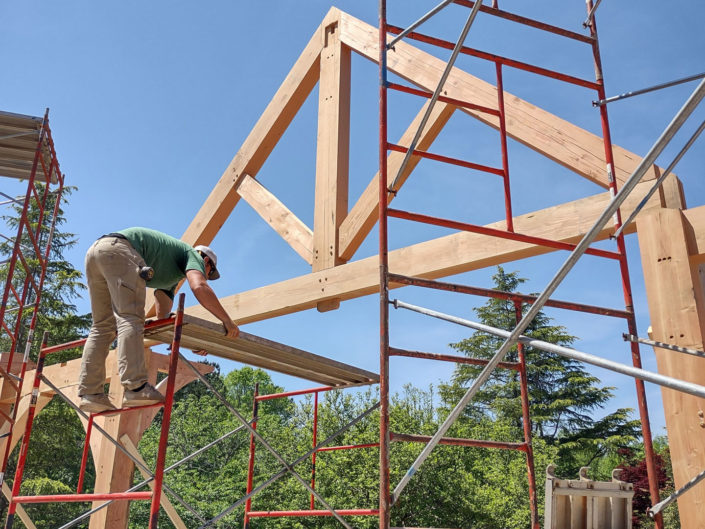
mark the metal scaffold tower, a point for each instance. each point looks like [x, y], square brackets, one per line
[27, 153]
[157, 477]
[389, 186]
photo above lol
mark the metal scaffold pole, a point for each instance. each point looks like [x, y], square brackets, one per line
[384, 480]
[617, 367]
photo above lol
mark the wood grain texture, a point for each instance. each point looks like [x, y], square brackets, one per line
[674, 288]
[441, 257]
[267, 354]
[695, 227]
[278, 216]
[333, 147]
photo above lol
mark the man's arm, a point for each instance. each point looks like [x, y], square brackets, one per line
[162, 304]
[207, 298]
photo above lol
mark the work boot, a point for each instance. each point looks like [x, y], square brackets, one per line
[148, 394]
[95, 403]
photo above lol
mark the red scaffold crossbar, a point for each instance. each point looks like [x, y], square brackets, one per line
[443, 99]
[447, 159]
[295, 393]
[529, 22]
[493, 232]
[451, 441]
[395, 351]
[510, 296]
[347, 447]
[497, 59]
[308, 512]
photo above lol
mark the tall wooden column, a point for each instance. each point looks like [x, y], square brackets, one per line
[673, 272]
[332, 157]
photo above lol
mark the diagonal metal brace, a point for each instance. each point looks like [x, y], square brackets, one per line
[283, 471]
[119, 446]
[653, 511]
[436, 93]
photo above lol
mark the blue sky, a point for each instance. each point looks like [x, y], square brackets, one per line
[150, 101]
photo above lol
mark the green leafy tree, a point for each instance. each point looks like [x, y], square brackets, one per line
[215, 479]
[564, 397]
[455, 487]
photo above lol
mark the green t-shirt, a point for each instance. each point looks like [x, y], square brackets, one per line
[169, 257]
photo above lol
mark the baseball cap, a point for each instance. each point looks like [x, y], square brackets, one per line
[214, 259]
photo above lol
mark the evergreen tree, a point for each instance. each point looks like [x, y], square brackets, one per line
[62, 285]
[564, 397]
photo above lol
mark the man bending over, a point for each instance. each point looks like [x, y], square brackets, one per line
[119, 267]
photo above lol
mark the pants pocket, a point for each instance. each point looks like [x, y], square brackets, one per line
[127, 297]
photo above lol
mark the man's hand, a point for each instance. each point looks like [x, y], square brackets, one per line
[231, 330]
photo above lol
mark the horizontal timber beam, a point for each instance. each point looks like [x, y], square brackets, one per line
[445, 256]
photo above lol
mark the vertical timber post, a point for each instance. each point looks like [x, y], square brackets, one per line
[332, 157]
[673, 273]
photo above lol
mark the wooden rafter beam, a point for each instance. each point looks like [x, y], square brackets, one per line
[267, 132]
[445, 256]
[363, 215]
[559, 140]
[295, 232]
[259, 144]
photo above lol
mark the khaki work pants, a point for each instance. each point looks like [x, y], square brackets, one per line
[117, 295]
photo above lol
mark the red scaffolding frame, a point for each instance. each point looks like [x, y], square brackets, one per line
[158, 476]
[249, 513]
[27, 265]
[387, 498]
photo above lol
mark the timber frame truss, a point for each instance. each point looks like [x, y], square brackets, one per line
[672, 238]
